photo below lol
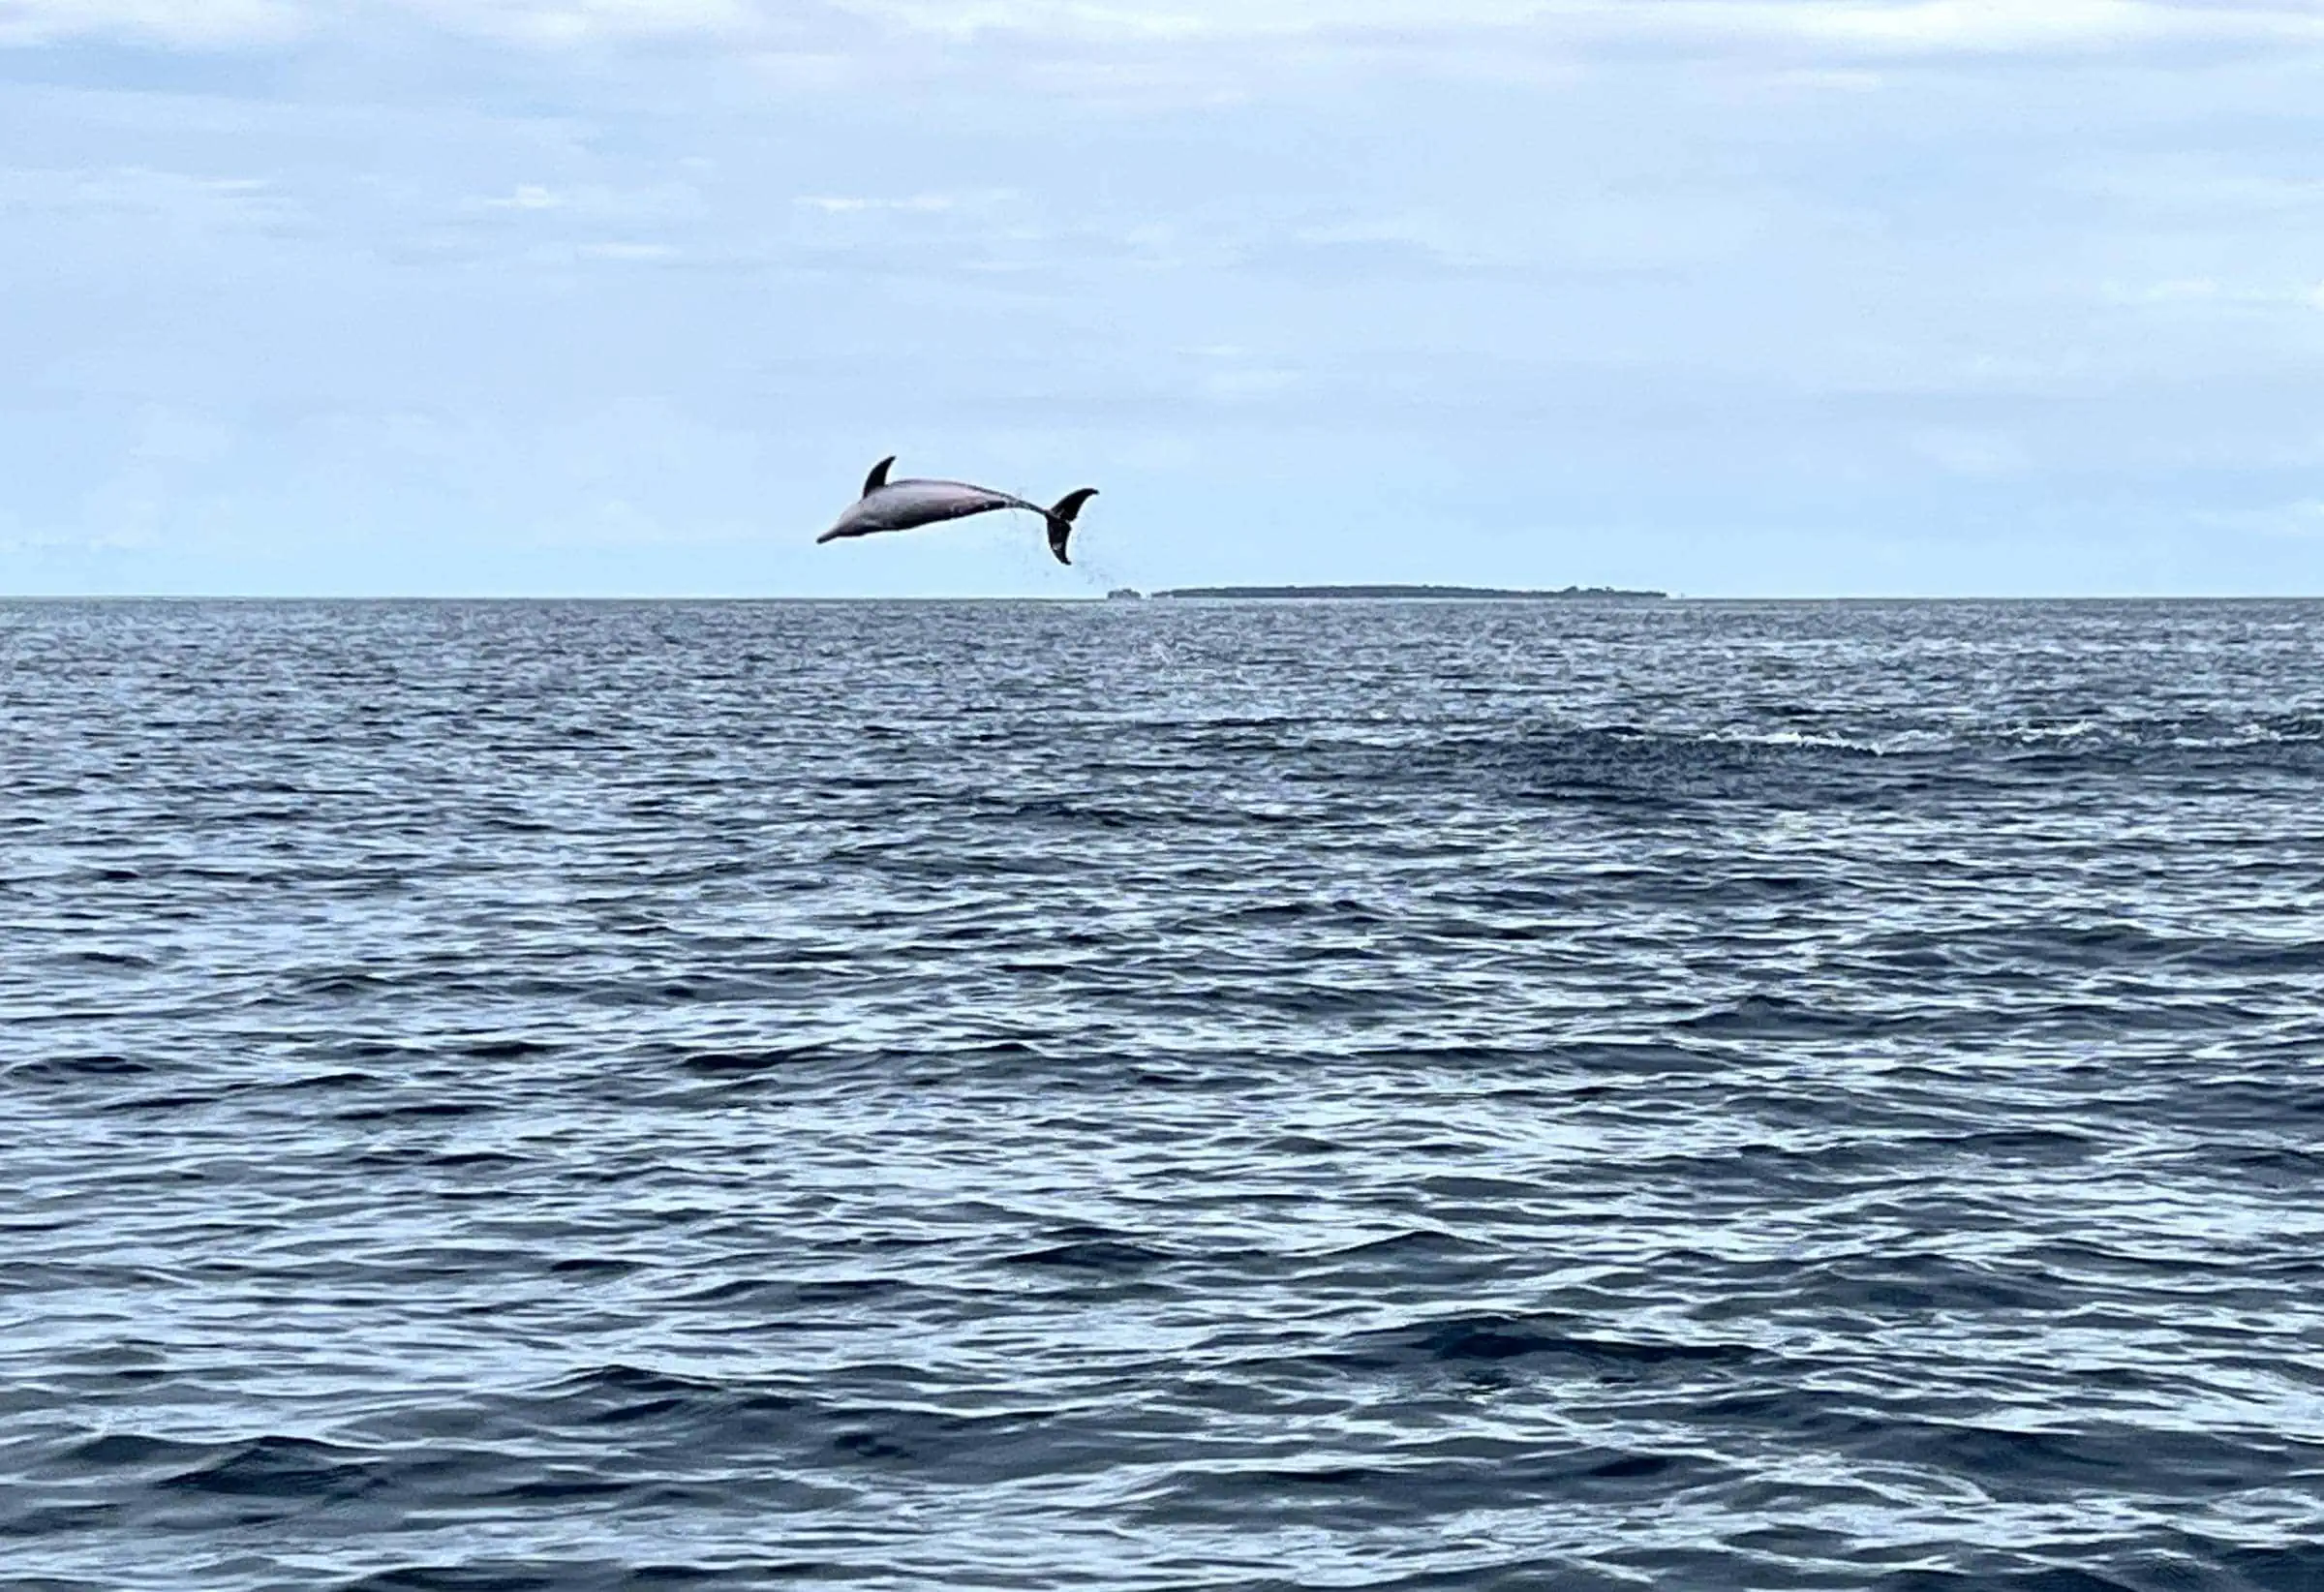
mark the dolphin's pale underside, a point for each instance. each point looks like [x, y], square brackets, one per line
[905, 506]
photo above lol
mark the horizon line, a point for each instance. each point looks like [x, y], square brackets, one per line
[1181, 595]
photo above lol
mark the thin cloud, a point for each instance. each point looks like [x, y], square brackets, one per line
[845, 204]
[642, 253]
[1916, 27]
[529, 196]
[221, 23]
[1904, 26]
[144, 194]
[2302, 520]
[189, 23]
[1836, 27]
[554, 22]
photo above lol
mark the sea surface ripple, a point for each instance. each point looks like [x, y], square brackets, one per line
[536, 1095]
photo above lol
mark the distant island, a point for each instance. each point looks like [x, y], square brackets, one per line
[1492, 593]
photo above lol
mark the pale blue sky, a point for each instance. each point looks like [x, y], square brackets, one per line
[611, 296]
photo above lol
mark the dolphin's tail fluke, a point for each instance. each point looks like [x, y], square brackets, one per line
[1060, 519]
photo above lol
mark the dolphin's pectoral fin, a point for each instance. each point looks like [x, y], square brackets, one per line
[879, 476]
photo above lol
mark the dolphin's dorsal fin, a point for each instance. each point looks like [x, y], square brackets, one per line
[879, 476]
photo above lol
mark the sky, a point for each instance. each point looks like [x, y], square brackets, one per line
[1722, 297]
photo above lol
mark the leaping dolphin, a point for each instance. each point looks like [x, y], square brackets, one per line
[901, 506]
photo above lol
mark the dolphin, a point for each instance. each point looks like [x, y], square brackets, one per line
[901, 506]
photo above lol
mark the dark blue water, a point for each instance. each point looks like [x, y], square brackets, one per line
[1151, 1095]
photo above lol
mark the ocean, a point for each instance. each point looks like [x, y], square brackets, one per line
[1162, 1095]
